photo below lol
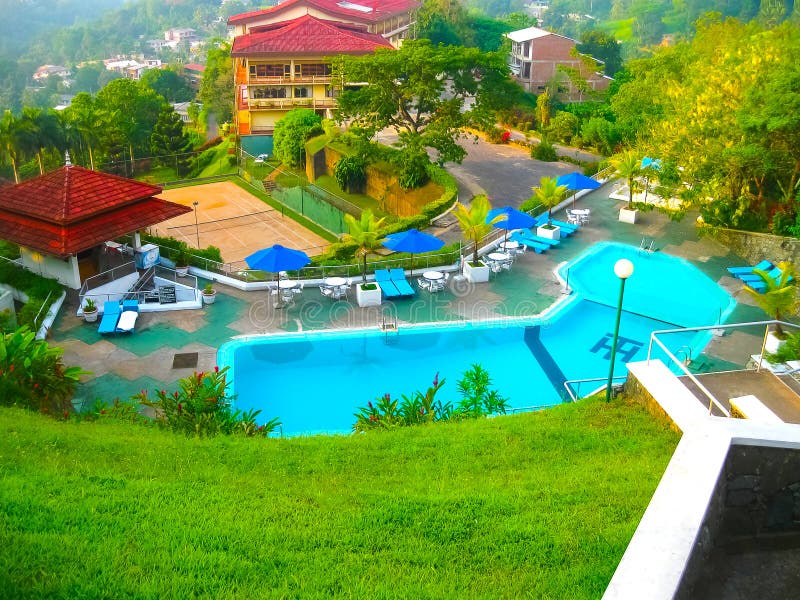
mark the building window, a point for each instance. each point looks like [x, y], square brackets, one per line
[268, 92]
[302, 92]
[266, 70]
[316, 70]
[287, 70]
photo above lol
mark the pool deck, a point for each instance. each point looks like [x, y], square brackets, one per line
[122, 365]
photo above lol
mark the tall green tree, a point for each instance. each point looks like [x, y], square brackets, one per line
[170, 143]
[291, 133]
[421, 92]
[549, 194]
[167, 83]
[16, 141]
[87, 120]
[45, 131]
[602, 46]
[216, 87]
[364, 232]
[474, 221]
[132, 112]
[627, 166]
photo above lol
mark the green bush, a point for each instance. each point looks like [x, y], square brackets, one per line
[351, 173]
[32, 375]
[544, 151]
[201, 407]
[36, 287]
[174, 247]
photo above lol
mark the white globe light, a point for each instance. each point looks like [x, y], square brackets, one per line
[623, 268]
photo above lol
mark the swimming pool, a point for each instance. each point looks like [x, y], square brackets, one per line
[315, 381]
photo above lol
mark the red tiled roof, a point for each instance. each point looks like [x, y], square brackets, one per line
[308, 35]
[72, 193]
[194, 67]
[63, 240]
[381, 9]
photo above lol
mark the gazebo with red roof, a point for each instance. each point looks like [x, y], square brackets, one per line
[65, 213]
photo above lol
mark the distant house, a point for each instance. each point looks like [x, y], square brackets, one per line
[159, 45]
[182, 109]
[194, 74]
[537, 54]
[184, 35]
[131, 68]
[46, 71]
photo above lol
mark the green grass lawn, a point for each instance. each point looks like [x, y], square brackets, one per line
[534, 505]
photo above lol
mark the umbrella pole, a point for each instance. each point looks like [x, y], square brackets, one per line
[278, 304]
[411, 273]
[575, 193]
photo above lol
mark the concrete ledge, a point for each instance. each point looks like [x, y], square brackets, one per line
[671, 396]
[655, 560]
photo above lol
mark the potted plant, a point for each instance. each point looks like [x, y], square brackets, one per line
[209, 294]
[628, 166]
[182, 262]
[364, 233]
[474, 226]
[89, 311]
[778, 299]
[549, 194]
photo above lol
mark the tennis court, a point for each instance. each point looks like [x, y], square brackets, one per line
[234, 221]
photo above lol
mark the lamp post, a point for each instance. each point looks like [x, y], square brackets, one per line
[196, 226]
[623, 269]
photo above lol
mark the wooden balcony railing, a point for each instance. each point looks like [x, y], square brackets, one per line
[296, 80]
[289, 103]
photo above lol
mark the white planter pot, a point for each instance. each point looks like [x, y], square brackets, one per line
[773, 343]
[628, 215]
[90, 317]
[368, 297]
[182, 271]
[550, 234]
[478, 274]
[209, 298]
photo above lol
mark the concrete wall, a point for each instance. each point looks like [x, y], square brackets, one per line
[64, 271]
[755, 247]
[7, 303]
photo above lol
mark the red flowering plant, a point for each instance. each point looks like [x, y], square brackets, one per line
[386, 413]
[505, 136]
[33, 375]
[201, 406]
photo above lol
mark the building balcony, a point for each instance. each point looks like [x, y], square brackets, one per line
[296, 80]
[289, 103]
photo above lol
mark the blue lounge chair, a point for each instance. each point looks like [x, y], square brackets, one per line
[111, 312]
[764, 265]
[398, 277]
[566, 228]
[384, 280]
[774, 273]
[542, 240]
[537, 247]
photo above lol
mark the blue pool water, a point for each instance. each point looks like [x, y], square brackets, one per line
[314, 382]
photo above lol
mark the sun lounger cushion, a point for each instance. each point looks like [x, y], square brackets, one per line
[764, 265]
[540, 239]
[401, 283]
[127, 321]
[108, 323]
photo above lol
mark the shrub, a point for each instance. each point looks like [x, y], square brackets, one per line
[544, 151]
[291, 133]
[351, 173]
[201, 407]
[32, 375]
[414, 170]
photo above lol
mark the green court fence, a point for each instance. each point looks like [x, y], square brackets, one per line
[310, 204]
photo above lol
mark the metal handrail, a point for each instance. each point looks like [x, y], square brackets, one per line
[575, 396]
[41, 308]
[712, 400]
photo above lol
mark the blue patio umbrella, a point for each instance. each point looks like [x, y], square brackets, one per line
[412, 241]
[277, 258]
[577, 181]
[511, 218]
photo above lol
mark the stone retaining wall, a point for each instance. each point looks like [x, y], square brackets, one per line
[755, 247]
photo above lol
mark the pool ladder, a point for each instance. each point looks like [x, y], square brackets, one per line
[388, 326]
[643, 245]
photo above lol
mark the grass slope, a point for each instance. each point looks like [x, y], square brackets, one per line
[534, 505]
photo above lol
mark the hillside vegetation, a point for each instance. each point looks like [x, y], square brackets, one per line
[534, 505]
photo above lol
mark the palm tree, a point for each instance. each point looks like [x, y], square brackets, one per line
[46, 132]
[364, 233]
[549, 194]
[628, 166]
[473, 221]
[16, 140]
[85, 118]
[779, 297]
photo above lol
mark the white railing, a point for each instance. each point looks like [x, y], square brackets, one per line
[682, 366]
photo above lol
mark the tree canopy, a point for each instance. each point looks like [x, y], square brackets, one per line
[425, 93]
